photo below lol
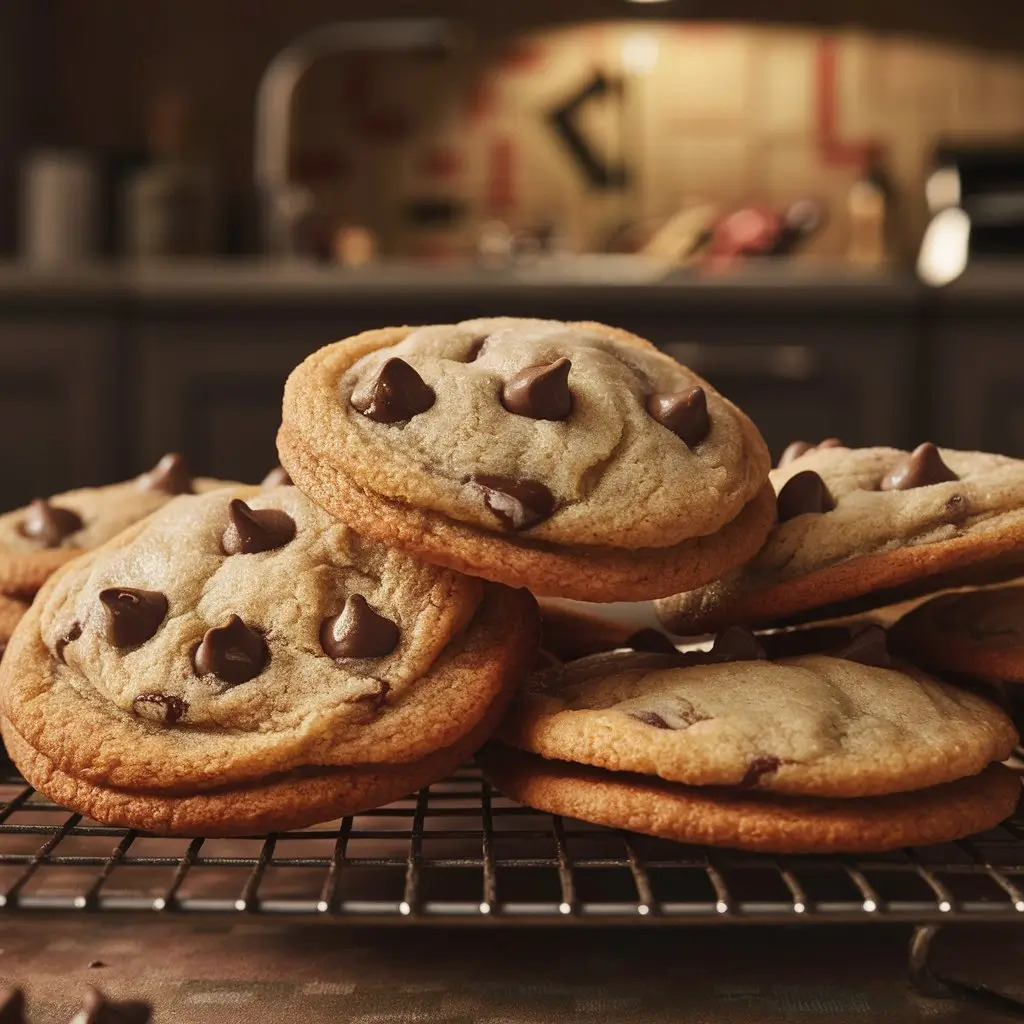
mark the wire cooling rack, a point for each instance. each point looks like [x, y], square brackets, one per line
[460, 853]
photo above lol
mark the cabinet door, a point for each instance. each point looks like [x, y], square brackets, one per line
[801, 381]
[57, 408]
[213, 390]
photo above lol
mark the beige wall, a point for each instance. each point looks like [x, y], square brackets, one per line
[732, 113]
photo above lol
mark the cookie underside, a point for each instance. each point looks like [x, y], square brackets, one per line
[292, 800]
[762, 823]
[924, 640]
[579, 572]
[852, 586]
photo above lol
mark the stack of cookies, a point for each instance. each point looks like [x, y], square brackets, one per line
[247, 658]
[36, 540]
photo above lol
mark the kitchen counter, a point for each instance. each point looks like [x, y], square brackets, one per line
[234, 971]
[627, 281]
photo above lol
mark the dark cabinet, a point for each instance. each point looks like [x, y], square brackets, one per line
[57, 405]
[979, 381]
[809, 379]
[212, 388]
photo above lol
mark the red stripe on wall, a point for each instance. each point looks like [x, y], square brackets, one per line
[834, 151]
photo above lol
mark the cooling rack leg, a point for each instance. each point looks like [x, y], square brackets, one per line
[932, 984]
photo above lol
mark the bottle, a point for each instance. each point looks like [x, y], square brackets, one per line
[169, 206]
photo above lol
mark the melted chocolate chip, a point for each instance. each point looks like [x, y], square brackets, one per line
[757, 769]
[651, 718]
[133, 616]
[396, 394]
[73, 633]
[358, 632]
[49, 524]
[803, 493]
[921, 468]
[737, 644]
[519, 504]
[540, 392]
[868, 647]
[277, 477]
[685, 413]
[12, 1006]
[652, 641]
[252, 530]
[3, 649]
[170, 475]
[96, 1009]
[159, 708]
[234, 653]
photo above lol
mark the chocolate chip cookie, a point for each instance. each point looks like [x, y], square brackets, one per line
[814, 751]
[37, 539]
[863, 528]
[241, 661]
[571, 458]
[845, 724]
[748, 821]
[978, 632]
[11, 613]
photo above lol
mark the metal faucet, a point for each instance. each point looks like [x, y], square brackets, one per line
[281, 202]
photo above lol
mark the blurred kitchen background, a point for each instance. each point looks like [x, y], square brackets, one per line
[822, 212]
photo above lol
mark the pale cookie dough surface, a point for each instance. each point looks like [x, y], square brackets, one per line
[450, 655]
[889, 542]
[980, 633]
[27, 561]
[810, 725]
[618, 477]
[753, 821]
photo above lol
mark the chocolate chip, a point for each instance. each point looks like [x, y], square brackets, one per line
[396, 394]
[868, 647]
[376, 697]
[96, 1009]
[540, 392]
[73, 633]
[277, 477]
[3, 649]
[958, 508]
[803, 493]
[12, 1006]
[757, 769]
[545, 660]
[519, 504]
[48, 523]
[93, 964]
[358, 632]
[133, 616]
[651, 718]
[799, 448]
[685, 413]
[737, 644]
[234, 652]
[652, 641]
[252, 530]
[160, 708]
[170, 475]
[921, 468]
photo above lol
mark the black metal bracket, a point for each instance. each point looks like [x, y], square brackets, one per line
[599, 173]
[926, 981]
